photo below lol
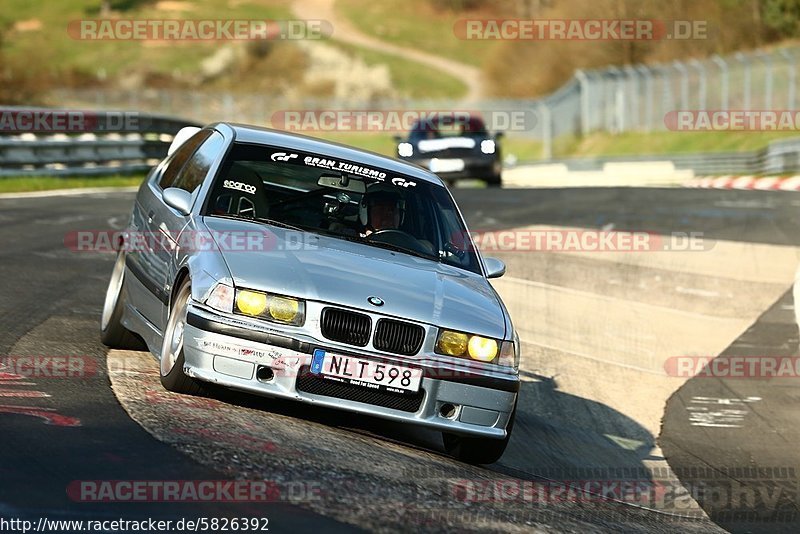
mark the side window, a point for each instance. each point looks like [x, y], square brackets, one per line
[180, 157]
[198, 165]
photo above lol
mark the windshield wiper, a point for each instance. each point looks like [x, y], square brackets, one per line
[261, 220]
[281, 224]
[398, 248]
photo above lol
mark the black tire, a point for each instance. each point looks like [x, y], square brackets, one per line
[478, 450]
[112, 333]
[173, 377]
[494, 181]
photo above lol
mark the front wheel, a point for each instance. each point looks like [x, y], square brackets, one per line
[478, 450]
[495, 180]
[172, 359]
[112, 333]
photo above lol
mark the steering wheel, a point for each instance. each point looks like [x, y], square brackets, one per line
[399, 238]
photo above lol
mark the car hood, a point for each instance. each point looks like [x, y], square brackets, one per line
[326, 269]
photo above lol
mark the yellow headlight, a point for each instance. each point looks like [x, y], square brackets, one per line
[251, 302]
[452, 343]
[482, 349]
[283, 309]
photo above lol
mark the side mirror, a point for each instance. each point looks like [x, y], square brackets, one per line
[178, 199]
[181, 137]
[494, 268]
[397, 138]
[499, 135]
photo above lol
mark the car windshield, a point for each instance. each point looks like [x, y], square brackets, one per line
[343, 199]
[449, 126]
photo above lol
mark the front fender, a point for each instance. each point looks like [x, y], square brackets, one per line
[204, 265]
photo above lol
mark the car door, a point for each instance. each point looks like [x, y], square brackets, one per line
[168, 222]
[149, 253]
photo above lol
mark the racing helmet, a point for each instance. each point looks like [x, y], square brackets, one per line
[380, 193]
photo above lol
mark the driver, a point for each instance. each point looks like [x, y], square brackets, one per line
[381, 210]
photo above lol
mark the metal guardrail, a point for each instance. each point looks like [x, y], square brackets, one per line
[632, 98]
[140, 144]
[98, 144]
[779, 157]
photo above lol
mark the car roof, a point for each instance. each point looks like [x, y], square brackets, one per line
[244, 133]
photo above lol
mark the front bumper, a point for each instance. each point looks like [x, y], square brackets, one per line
[230, 352]
[474, 167]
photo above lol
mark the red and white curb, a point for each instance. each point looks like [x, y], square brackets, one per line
[762, 183]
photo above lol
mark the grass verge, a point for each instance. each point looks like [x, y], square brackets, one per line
[19, 184]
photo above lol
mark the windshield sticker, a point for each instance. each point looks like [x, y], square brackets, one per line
[282, 156]
[343, 166]
[239, 186]
[402, 182]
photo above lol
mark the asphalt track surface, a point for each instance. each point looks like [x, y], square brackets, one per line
[55, 431]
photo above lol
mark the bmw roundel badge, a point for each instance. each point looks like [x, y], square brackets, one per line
[375, 301]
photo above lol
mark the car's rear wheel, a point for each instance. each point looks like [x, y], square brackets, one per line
[112, 333]
[478, 450]
[173, 378]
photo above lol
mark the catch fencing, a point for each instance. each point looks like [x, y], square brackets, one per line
[634, 98]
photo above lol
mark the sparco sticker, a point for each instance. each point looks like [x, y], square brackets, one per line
[239, 186]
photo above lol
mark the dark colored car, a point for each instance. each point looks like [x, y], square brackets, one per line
[454, 147]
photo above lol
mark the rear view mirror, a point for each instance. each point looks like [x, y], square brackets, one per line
[342, 182]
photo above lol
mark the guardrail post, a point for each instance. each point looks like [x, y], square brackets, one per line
[667, 99]
[613, 111]
[723, 68]
[633, 91]
[648, 97]
[767, 59]
[792, 71]
[684, 83]
[547, 131]
[747, 83]
[583, 82]
[702, 82]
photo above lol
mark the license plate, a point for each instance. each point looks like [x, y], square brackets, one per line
[446, 165]
[366, 373]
